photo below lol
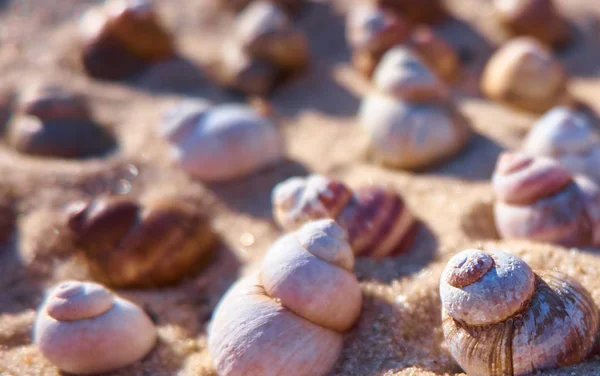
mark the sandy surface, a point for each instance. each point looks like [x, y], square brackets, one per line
[399, 330]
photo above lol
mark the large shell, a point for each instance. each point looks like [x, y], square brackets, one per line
[570, 136]
[83, 328]
[376, 219]
[553, 322]
[225, 142]
[122, 37]
[536, 18]
[288, 319]
[412, 136]
[129, 244]
[524, 73]
[537, 199]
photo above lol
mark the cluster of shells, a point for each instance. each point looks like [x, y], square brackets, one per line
[289, 316]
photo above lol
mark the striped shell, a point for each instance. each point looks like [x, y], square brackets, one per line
[501, 318]
[376, 219]
[84, 328]
[538, 199]
[289, 318]
[569, 135]
[524, 73]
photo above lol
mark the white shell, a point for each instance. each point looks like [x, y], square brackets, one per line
[224, 142]
[83, 328]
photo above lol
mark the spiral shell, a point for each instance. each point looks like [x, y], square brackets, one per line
[376, 219]
[370, 32]
[122, 38]
[524, 73]
[84, 328]
[536, 18]
[129, 244]
[569, 135]
[538, 199]
[221, 142]
[289, 318]
[501, 318]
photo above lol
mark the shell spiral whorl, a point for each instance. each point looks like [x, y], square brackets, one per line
[376, 219]
[538, 199]
[501, 318]
[288, 318]
[84, 328]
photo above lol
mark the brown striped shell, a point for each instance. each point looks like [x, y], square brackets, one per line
[538, 199]
[376, 219]
[289, 319]
[501, 318]
[131, 244]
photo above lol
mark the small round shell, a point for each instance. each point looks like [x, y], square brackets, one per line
[288, 319]
[83, 328]
[376, 219]
[412, 136]
[227, 142]
[524, 73]
[510, 320]
[536, 18]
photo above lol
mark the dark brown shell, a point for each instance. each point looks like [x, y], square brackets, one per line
[417, 11]
[129, 245]
[557, 328]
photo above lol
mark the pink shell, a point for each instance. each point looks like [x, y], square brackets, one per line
[376, 219]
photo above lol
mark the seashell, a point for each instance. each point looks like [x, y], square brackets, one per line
[266, 48]
[59, 138]
[571, 136]
[131, 244]
[523, 73]
[289, 318]
[122, 38]
[412, 136]
[538, 199]
[84, 328]
[436, 53]
[226, 142]
[49, 101]
[291, 6]
[501, 318]
[402, 75]
[536, 18]
[417, 12]
[376, 219]
[370, 32]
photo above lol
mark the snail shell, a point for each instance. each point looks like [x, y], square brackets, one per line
[376, 219]
[371, 31]
[127, 244]
[84, 328]
[436, 52]
[524, 73]
[501, 318]
[123, 37]
[289, 318]
[538, 199]
[417, 12]
[571, 137]
[224, 142]
[536, 18]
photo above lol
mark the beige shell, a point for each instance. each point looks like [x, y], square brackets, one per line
[131, 244]
[84, 328]
[223, 142]
[523, 73]
[376, 219]
[537, 199]
[289, 318]
[501, 318]
[569, 135]
[536, 18]
[370, 32]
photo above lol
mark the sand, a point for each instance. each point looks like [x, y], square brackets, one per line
[399, 329]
